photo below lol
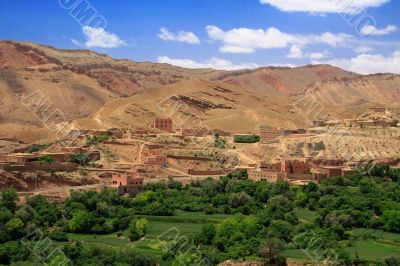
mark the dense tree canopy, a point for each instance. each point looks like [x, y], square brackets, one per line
[263, 217]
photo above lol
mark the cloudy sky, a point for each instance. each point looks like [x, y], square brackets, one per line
[358, 35]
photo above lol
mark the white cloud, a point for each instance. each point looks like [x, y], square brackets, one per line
[295, 52]
[245, 40]
[363, 49]
[372, 30]
[339, 39]
[98, 37]
[369, 63]
[215, 63]
[318, 55]
[181, 36]
[323, 6]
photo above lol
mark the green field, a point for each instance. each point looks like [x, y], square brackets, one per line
[161, 230]
[373, 250]
[370, 244]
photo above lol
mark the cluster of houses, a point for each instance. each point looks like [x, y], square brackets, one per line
[284, 169]
[166, 125]
[375, 117]
[268, 134]
[295, 169]
[44, 161]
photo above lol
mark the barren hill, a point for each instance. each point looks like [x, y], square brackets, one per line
[87, 86]
[198, 103]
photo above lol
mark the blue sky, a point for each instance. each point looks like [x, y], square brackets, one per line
[358, 35]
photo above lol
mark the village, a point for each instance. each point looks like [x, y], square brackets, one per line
[127, 159]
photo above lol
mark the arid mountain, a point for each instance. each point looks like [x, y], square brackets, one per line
[198, 103]
[99, 91]
[284, 80]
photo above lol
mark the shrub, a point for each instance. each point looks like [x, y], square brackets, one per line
[45, 159]
[246, 139]
[80, 158]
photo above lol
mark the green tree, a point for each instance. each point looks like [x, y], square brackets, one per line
[81, 222]
[186, 259]
[391, 220]
[5, 216]
[9, 198]
[207, 234]
[15, 227]
[281, 229]
[137, 229]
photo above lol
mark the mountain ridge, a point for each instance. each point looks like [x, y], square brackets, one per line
[82, 82]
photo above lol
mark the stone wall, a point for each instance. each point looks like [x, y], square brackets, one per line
[189, 158]
[42, 166]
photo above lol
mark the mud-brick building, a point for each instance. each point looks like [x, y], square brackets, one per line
[268, 134]
[19, 157]
[164, 124]
[332, 171]
[151, 157]
[271, 177]
[270, 167]
[295, 166]
[129, 183]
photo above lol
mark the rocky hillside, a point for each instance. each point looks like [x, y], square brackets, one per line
[84, 85]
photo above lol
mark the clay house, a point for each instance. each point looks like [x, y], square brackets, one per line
[330, 171]
[383, 123]
[379, 110]
[139, 133]
[20, 157]
[348, 171]
[271, 177]
[116, 133]
[164, 124]
[319, 123]
[288, 132]
[252, 165]
[129, 183]
[375, 123]
[295, 166]
[268, 134]
[58, 156]
[270, 167]
[220, 132]
[153, 158]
